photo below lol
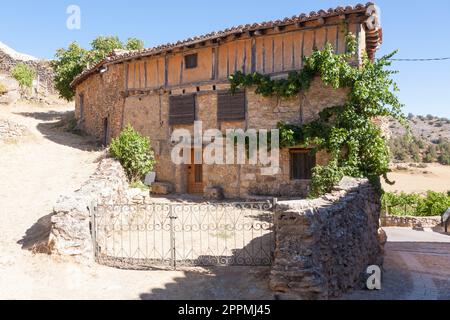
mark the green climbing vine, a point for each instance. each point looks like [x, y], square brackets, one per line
[349, 134]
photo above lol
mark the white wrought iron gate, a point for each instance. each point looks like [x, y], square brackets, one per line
[172, 235]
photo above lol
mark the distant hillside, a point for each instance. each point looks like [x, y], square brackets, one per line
[428, 128]
[16, 55]
[430, 140]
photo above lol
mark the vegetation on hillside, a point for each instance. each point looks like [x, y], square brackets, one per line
[348, 132]
[70, 62]
[413, 149]
[433, 204]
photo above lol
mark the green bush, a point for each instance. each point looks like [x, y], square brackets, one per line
[134, 153]
[324, 178]
[24, 75]
[434, 204]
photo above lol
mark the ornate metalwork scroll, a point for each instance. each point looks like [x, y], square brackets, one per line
[175, 235]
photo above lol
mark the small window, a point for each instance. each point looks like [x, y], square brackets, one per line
[191, 61]
[302, 162]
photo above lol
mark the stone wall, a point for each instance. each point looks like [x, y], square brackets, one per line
[71, 234]
[324, 246]
[43, 70]
[410, 222]
[11, 130]
[103, 101]
[149, 114]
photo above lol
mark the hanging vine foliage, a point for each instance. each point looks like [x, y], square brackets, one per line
[348, 133]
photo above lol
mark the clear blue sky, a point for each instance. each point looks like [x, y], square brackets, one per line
[419, 29]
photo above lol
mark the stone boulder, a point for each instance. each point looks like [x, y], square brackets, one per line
[162, 188]
[10, 90]
[213, 193]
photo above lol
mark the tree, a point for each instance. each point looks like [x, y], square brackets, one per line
[134, 44]
[102, 46]
[70, 62]
[24, 75]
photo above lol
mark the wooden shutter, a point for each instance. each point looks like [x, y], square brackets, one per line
[181, 109]
[302, 164]
[231, 107]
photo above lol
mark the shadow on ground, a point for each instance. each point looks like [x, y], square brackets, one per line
[36, 239]
[412, 271]
[60, 127]
[221, 282]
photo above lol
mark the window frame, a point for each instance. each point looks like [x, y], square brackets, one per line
[190, 66]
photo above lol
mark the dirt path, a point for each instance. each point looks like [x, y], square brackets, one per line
[417, 267]
[34, 171]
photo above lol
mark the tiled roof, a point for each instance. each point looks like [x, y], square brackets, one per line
[116, 57]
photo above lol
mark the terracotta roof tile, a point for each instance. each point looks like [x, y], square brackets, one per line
[359, 8]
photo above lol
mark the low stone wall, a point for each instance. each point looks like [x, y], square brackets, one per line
[71, 233]
[324, 246]
[11, 130]
[410, 222]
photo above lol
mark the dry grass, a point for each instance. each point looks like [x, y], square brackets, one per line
[416, 179]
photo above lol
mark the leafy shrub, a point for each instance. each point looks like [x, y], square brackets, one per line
[134, 153]
[324, 178]
[434, 204]
[24, 75]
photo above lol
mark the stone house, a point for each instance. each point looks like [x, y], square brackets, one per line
[169, 87]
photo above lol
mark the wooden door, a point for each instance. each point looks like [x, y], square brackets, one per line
[195, 174]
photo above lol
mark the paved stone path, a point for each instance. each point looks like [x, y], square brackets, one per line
[417, 267]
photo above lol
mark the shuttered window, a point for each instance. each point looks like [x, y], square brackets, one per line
[182, 109]
[231, 107]
[302, 162]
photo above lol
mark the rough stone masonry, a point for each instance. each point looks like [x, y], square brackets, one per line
[324, 246]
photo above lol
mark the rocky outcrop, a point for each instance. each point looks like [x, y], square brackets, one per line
[9, 90]
[71, 230]
[324, 246]
[162, 188]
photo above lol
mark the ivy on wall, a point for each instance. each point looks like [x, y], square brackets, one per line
[348, 133]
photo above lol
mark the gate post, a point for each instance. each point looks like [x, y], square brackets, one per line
[172, 217]
[93, 215]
